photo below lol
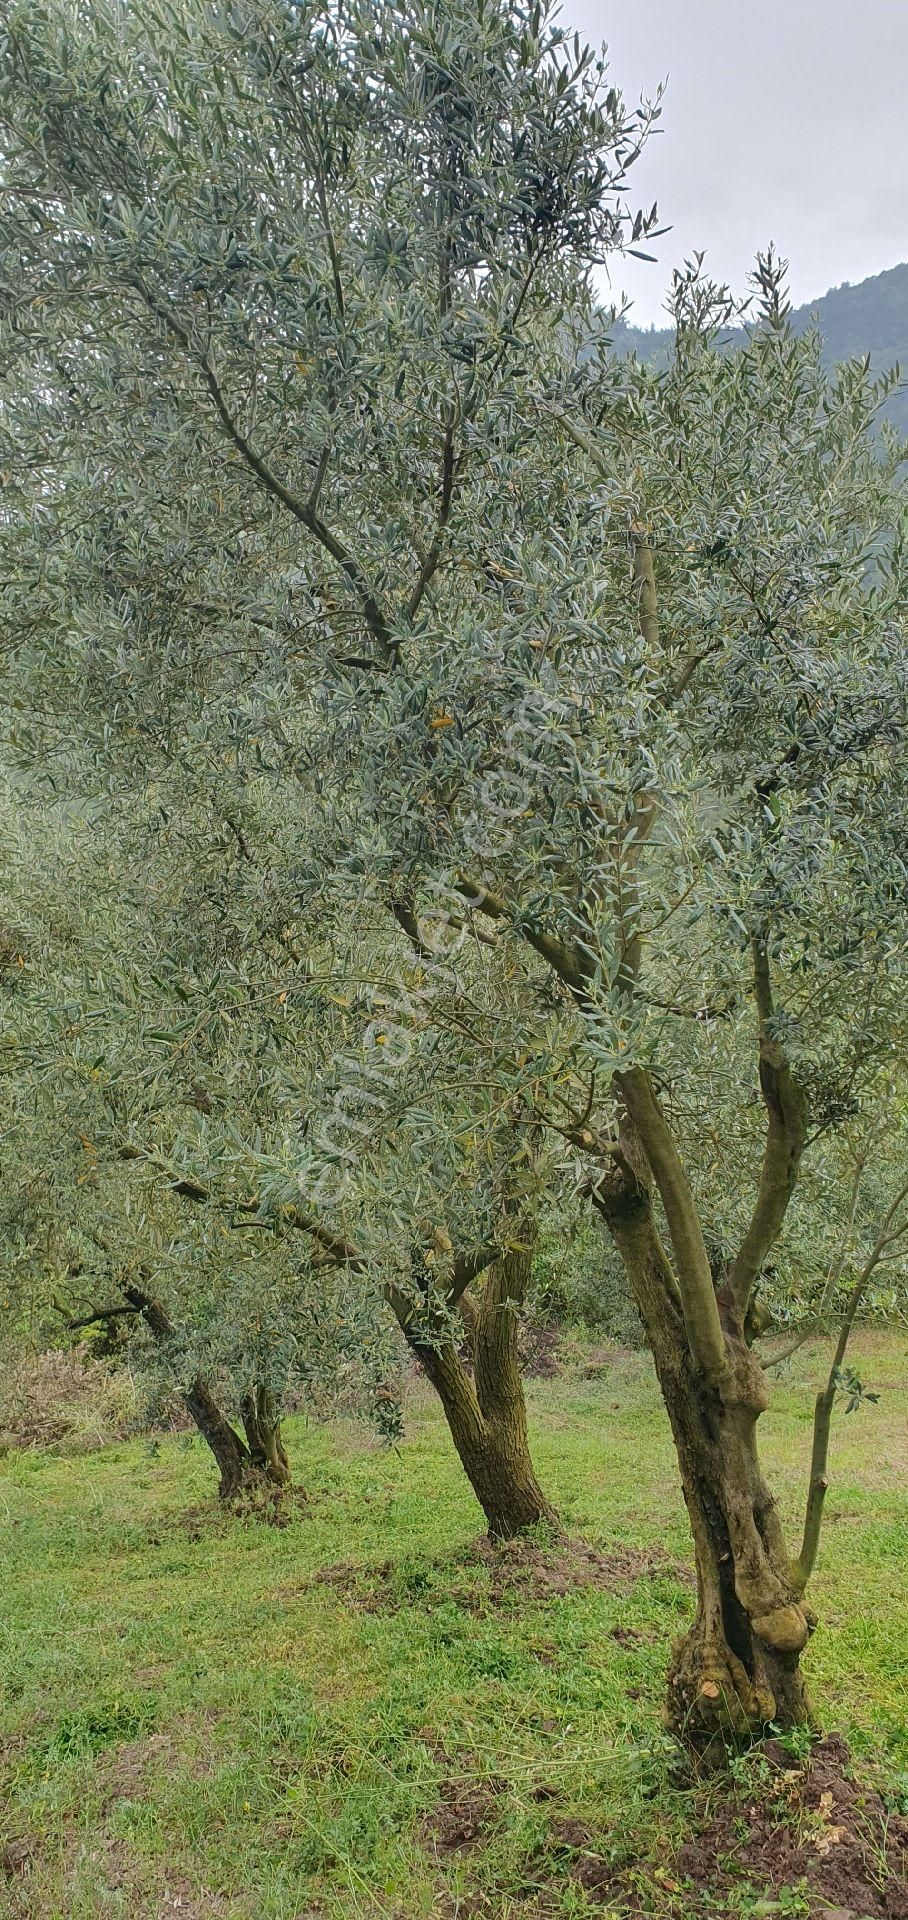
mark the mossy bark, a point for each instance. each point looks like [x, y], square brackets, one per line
[737, 1668]
[262, 1428]
[487, 1413]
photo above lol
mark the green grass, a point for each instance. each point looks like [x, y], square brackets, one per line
[194, 1724]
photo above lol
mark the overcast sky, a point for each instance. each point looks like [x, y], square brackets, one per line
[784, 120]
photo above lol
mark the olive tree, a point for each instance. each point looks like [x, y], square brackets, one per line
[687, 697]
[602, 665]
[269, 278]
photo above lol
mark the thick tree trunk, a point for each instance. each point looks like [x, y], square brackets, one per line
[737, 1668]
[233, 1459]
[487, 1417]
[494, 1452]
[263, 1436]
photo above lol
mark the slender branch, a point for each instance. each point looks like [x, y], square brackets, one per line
[449, 467]
[645, 584]
[567, 959]
[786, 1132]
[407, 918]
[301, 510]
[833, 1276]
[319, 480]
[822, 1417]
[689, 668]
[698, 1297]
[93, 1319]
[333, 255]
[794, 1346]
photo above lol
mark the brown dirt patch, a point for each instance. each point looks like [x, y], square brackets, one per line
[516, 1573]
[465, 1813]
[257, 1504]
[812, 1829]
[526, 1570]
[29, 1895]
[16, 1856]
[129, 1767]
[814, 1825]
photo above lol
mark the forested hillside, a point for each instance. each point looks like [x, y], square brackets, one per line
[871, 317]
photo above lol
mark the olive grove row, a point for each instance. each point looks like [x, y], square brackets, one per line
[456, 787]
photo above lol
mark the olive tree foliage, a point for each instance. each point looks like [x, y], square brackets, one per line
[586, 682]
[271, 276]
[109, 1043]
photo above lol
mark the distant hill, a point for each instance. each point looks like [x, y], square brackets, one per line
[871, 317]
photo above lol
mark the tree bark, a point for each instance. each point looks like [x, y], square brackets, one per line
[263, 1436]
[234, 1459]
[487, 1414]
[737, 1668]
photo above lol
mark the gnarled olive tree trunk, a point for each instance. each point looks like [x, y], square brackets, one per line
[485, 1409]
[486, 1413]
[737, 1668]
[237, 1463]
[262, 1427]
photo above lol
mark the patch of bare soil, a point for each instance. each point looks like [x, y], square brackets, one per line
[812, 1830]
[517, 1573]
[128, 1768]
[258, 1503]
[25, 1895]
[529, 1570]
[816, 1825]
[465, 1813]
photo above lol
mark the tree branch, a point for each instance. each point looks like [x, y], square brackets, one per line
[431, 562]
[785, 1136]
[302, 510]
[822, 1417]
[694, 1274]
[94, 1319]
[567, 959]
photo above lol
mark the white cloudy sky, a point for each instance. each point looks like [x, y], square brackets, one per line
[784, 120]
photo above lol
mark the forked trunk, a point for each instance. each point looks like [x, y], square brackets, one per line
[487, 1415]
[263, 1436]
[737, 1668]
[233, 1459]
[493, 1448]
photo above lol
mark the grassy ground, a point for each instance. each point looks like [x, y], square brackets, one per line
[195, 1723]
